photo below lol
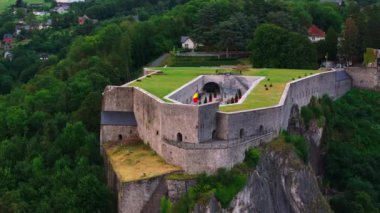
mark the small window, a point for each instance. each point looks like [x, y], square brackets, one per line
[241, 133]
[120, 137]
[261, 129]
[214, 134]
[179, 137]
[157, 132]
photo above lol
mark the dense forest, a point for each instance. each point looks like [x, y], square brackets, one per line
[49, 148]
[352, 150]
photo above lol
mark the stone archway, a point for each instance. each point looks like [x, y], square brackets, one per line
[211, 87]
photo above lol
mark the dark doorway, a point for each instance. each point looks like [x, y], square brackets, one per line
[120, 137]
[211, 87]
[179, 137]
[241, 133]
[214, 135]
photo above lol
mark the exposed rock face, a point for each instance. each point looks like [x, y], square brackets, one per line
[314, 135]
[281, 183]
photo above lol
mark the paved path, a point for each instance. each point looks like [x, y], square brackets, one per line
[158, 61]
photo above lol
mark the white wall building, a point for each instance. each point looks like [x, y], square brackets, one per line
[188, 43]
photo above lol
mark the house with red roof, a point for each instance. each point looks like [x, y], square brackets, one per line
[315, 34]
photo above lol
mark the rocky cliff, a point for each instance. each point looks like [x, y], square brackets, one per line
[281, 183]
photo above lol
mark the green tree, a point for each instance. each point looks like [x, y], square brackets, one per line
[273, 46]
[233, 33]
[351, 44]
[331, 43]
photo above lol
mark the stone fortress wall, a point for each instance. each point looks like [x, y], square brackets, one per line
[202, 138]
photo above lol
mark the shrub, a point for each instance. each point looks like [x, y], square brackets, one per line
[300, 145]
[224, 185]
[307, 114]
[165, 205]
[252, 157]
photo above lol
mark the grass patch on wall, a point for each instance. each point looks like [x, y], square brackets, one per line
[300, 145]
[132, 162]
[224, 185]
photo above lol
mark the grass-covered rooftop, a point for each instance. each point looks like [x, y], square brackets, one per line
[172, 78]
[136, 161]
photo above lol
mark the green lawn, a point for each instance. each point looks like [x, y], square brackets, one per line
[6, 3]
[173, 78]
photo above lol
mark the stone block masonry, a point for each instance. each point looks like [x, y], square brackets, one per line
[365, 78]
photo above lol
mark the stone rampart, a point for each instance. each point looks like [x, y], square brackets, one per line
[201, 138]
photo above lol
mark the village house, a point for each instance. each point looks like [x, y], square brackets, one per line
[315, 34]
[188, 43]
[83, 19]
[61, 9]
[7, 41]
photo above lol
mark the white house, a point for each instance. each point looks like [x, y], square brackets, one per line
[315, 34]
[188, 43]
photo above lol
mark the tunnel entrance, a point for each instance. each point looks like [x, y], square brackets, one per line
[211, 87]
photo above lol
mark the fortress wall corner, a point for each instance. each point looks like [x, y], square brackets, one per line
[118, 98]
[207, 121]
[180, 122]
[147, 112]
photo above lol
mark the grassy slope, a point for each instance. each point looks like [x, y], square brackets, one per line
[136, 162]
[173, 78]
[6, 3]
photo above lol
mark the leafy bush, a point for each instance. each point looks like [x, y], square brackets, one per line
[165, 205]
[252, 157]
[300, 145]
[352, 143]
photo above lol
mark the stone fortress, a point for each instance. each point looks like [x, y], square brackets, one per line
[200, 138]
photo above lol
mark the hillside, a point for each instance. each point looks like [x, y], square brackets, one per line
[4, 4]
[53, 76]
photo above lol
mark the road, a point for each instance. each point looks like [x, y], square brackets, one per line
[158, 61]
